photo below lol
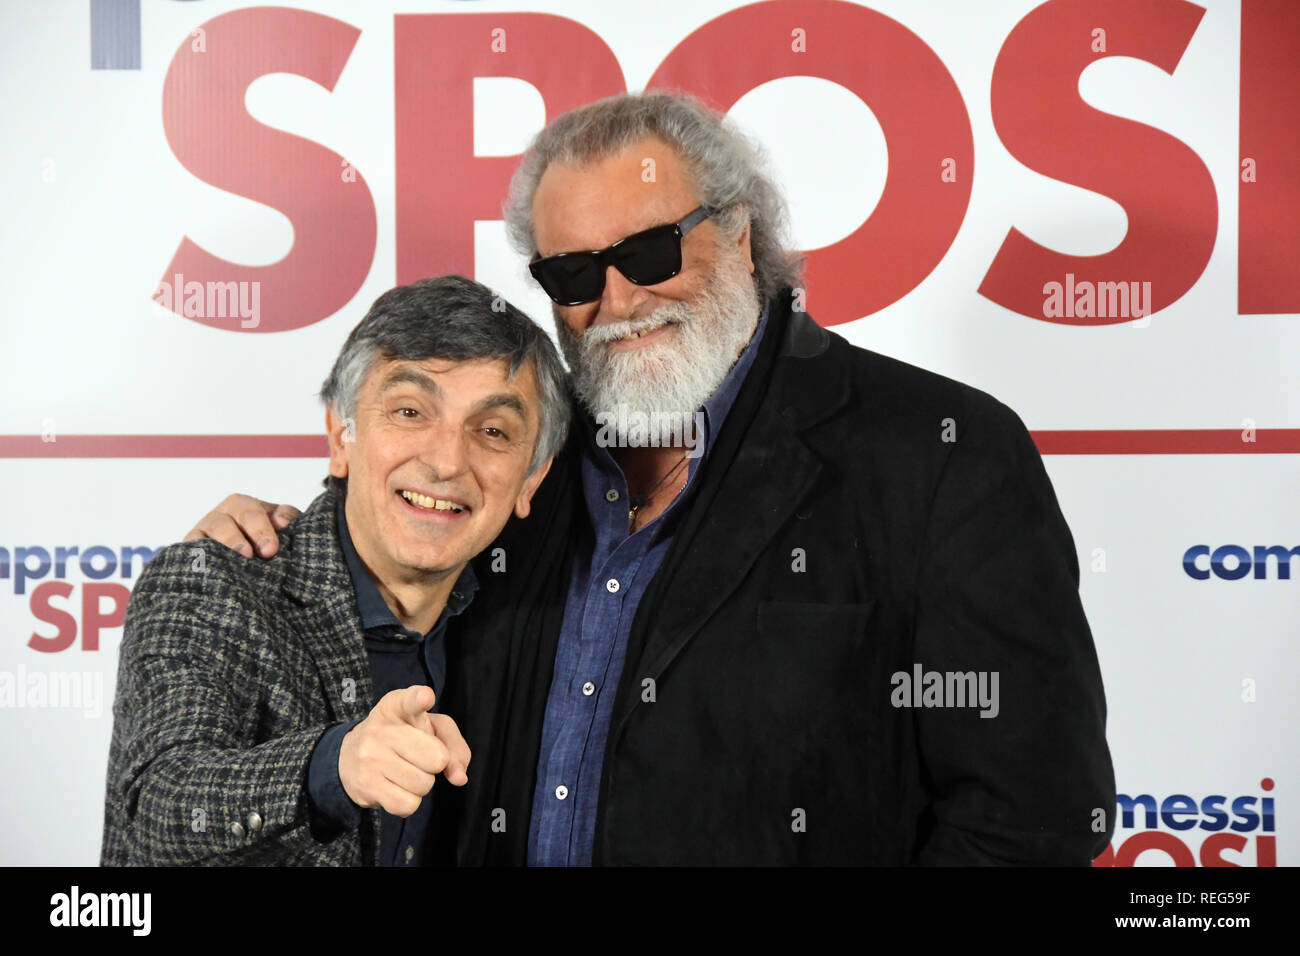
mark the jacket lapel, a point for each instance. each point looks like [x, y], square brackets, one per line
[756, 475]
[325, 620]
[326, 616]
[501, 657]
[330, 630]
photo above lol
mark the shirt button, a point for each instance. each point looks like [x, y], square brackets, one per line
[409, 854]
[612, 585]
[611, 495]
[589, 688]
[561, 792]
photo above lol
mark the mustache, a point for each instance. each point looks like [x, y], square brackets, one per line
[666, 315]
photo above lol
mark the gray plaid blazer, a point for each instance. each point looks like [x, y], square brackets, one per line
[230, 671]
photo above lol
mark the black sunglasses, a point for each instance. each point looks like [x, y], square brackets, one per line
[572, 278]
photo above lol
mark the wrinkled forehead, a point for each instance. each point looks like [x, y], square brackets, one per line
[476, 383]
[593, 205]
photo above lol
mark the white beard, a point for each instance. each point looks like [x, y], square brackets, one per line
[673, 378]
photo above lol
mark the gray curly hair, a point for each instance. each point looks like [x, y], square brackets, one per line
[726, 166]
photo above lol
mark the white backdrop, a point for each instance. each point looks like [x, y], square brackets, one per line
[1200, 674]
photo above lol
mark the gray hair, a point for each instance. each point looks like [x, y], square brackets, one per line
[727, 169]
[456, 319]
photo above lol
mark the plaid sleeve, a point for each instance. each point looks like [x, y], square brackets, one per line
[189, 781]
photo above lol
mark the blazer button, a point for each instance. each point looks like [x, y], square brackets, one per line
[238, 830]
[255, 821]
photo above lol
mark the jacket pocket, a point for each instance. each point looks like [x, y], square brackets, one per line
[809, 661]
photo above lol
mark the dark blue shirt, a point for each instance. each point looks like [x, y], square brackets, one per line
[604, 592]
[398, 658]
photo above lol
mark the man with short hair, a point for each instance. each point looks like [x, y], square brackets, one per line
[838, 623]
[279, 712]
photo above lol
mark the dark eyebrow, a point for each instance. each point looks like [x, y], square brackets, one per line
[500, 400]
[412, 376]
[426, 383]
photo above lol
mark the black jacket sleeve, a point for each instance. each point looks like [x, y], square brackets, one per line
[998, 593]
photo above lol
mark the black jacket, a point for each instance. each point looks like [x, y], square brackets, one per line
[858, 516]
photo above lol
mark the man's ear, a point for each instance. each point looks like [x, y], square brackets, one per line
[340, 433]
[524, 503]
[746, 252]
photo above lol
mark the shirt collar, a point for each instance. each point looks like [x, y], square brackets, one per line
[374, 610]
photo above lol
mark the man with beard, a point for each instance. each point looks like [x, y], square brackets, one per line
[839, 624]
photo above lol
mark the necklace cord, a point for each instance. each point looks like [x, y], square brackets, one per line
[637, 502]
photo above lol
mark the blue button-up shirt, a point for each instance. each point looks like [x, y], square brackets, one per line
[604, 592]
[399, 658]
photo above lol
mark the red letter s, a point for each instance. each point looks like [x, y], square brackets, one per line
[1163, 186]
[215, 139]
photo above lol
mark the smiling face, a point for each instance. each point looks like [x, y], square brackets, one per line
[436, 460]
[658, 348]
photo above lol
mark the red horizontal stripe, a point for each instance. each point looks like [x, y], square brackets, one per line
[165, 446]
[1167, 441]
